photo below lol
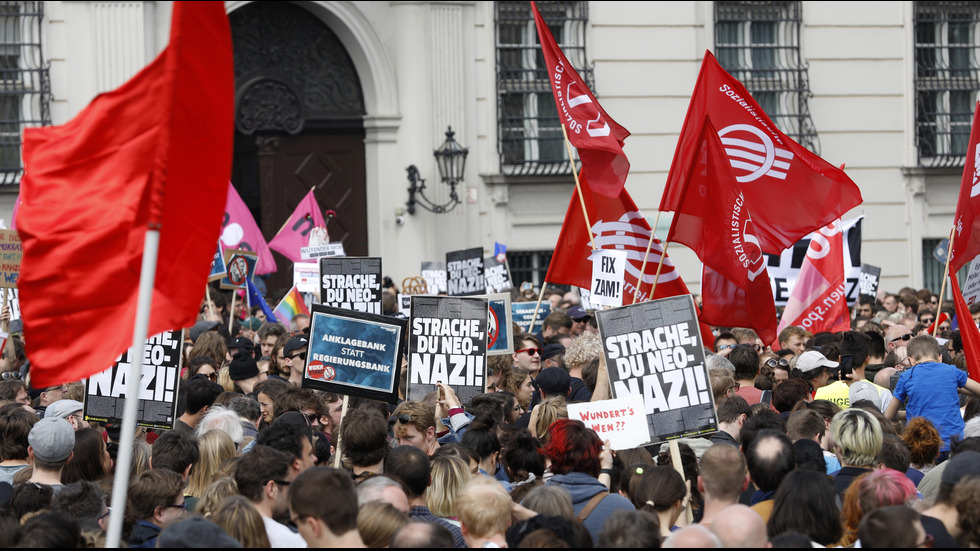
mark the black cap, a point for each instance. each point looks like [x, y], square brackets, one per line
[293, 344]
[551, 350]
[554, 381]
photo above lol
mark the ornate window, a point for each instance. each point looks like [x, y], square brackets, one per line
[759, 44]
[529, 136]
[947, 79]
[25, 85]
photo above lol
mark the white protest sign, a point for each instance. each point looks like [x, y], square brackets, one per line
[622, 421]
[971, 287]
[306, 277]
[608, 275]
[330, 249]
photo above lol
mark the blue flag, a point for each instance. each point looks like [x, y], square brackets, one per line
[500, 251]
[255, 298]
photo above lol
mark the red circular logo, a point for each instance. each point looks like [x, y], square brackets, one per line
[315, 370]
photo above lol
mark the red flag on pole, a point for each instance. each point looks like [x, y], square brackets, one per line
[819, 298]
[156, 152]
[968, 329]
[713, 218]
[792, 192]
[295, 233]
[598, 138]
[965, 244]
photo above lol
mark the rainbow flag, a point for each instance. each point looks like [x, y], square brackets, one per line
[290, 305]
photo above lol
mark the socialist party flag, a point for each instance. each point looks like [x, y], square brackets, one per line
[791, 191]
[154, 153]
[241, 232]
[818, 301]
[598, 138]
[968, 329]
[295, 233]
[617, 224]
[713, 218]
[965, 244]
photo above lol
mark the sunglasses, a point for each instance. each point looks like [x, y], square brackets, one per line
[927, 321]
[10, 375]
[301, 356]
[904, 337]
[781, 362]
[726, 347]
[402, 418]
[530, 351]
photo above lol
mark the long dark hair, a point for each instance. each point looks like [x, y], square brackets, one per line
[805, 503]
[87, 463]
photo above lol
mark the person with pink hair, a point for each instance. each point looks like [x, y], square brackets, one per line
[879, 488]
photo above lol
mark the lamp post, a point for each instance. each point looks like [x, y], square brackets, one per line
[451, 161]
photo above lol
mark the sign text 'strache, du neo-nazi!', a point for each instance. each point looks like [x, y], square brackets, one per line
[447, 344]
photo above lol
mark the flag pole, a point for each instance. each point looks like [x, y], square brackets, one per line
[942, 289]
[660, 265]
[578, 188]
[336, 439]
[639, 281]
[231, 313]
[127, 434]
[534, 318]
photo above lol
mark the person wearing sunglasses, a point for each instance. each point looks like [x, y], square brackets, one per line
[527, 356]
[295, 354]
[896, 339]
[724, 343]
[414, 424]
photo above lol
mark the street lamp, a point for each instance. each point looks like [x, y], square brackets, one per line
[451, 160]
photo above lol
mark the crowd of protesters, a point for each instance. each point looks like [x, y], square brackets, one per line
[867, 437]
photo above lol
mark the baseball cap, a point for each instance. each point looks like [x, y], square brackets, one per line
[242, 343]
[554, 381]
[551, 350]
[201, 327]
[863, 390]
[962, 464]
[812, 360]
[63, 408]
[52, 439]
[578, 313]
[294, 344]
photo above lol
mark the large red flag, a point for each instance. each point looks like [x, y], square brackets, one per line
[617, 224]
[154, 153]
[295, 233]
[819, 298]
[965, 244]
[968, 329]
[598, 138]
[792, 192]
[713, 218]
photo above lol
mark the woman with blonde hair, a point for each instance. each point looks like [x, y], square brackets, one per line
[377, 522]
[448, 476]
[239, 518]
[215, 494]
[544, 414]
[216, 447]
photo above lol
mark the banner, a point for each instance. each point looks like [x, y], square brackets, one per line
[653, 349]
[306, 277]
[500, 323]
[817, 303]
[11, 251]
[354, 353]
[497, 278]
[465, 272]
[447, 343]
[434, 274]
[105, 392]
[351, 283]
[621, 421]
[524, 311]
[330, 249]
[218, 268]
[868, 281]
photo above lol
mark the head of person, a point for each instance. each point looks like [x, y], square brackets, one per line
[857, 345]
[302, 400]
[550, 500]
[295, 354]
[215, 448]
[69, 410]
[865, 307]
[291, 433]
[770, 458]
[878, 488]
[924, 348]
[483, 508]
[14, 390]
[897, 336]
[84, 501]
[175, 451]
[15, 426]
[520, 384]
[90, 458]
[923, 441]
[556, 323]
[51, 444]
[582, 351]
[383, 488]
[630, 529]
[315, 516]
[410, 465]
[224, 419]
[157, 497]
[263, 476]
[789, 393]
[267, 335]
[268, 392]
[893, 527]
[793, 338]
[814, 368]
[723, 474]
[448, 476]
[857, 437]
[243, 371]
[725, 343]
[738, 526]
[423, 535]
[801, 505]
[242, 521]
[377, 523]
[580, 319]
[573, 447]
[414, 424]
[365, 437]
[660, 489]
[527, 353]
[805, 424]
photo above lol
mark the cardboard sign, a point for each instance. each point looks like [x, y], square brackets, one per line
[500, 335]
[621, 420]
[608, 277]
[306, 277]
[465, 273]
[785, 268]
[653, 349]
[239, 265]
[354, 353]
[524, 311]
[447, 343]
[434, 274]
[971, 286]
[105, 392]
[351, 283]
[218, 268]
[497, 278]
[11, 252]
[330, 249]
[869, 278]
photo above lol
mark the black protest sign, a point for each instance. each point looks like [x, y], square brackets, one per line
[351, 283]
[105, 392]
[497, 278]
[653, 349]
[354, 353]
[868, 280]
[434, 274]
[465, 273]
[447, 344]
[523, 312]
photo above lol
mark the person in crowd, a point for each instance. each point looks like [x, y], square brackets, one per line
[484, 511]
[746, 362]
[423, 535]
[15, 426]
[630, 530]
[878, 488]
[215, 447]
[805, 503]
[267, 393]
[223, 419]
[923, 441]
[291, 433]
[807, 424]
[793, 338]
[732, 413]
[893, 527]
[249, 414]
[815, 369]
[411, 465]
[723, 476]
[243, 372]
[90, 458]
[857, 438]
[414, 424]
[264, 476]
[770, 458]
[154, 500]
[242, 521]
[738, 526]
[325, 522]
[377, 522]
[942, 519]
[527, 353]
[854, 345]
[69, 410]
[365, 438]
[385, 489]
[175, 451]
[85, 502]
[662, 492]
[196, 395]
[448, 476]
[581, 352]
[51, 444]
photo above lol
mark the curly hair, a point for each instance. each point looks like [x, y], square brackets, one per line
[923, 441]
[582, 350]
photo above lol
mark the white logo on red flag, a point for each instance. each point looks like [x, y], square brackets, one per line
[753, 154]
[624, 235]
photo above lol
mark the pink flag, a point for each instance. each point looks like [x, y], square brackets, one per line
[818, 301]
[239, 231]
[295, 233]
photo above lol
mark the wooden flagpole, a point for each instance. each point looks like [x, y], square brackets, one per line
[643, 267]
[942, 289]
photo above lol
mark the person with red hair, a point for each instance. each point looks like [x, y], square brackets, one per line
[878, 488]
[577, 459]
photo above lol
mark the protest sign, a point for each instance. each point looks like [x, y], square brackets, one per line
[405, 305]
[330, 249]
[500, 338]
[354, 353]
[524, 311]
[608, 276]
[351, 283]
[621, 420]
[447, 344]
[218, 268]
[785, 268]
[306, 277]
[465, 272]
[497, 278]
[653, 349]
[434, 274]
[11, 251]
[239, 265]
[869, 278]
[585, 299]
[105, 392]
[13, 301]
[971, 285]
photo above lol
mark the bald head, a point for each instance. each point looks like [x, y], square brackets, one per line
[693, 536]
[740, 526]
[894, 332]
[884, 376]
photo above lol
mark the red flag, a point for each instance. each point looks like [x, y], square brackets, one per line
[819, 298]
[968, 329]
[713, 218]
[617, 224]
[792, 192]
[965, 244]
[295, 233]
[598, 138]
[241, 232]
[154, 153]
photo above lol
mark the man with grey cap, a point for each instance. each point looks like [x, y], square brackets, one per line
[69, 410]
[50, 447]
[814, 368]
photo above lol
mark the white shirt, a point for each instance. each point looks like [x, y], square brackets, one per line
[280, 536]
